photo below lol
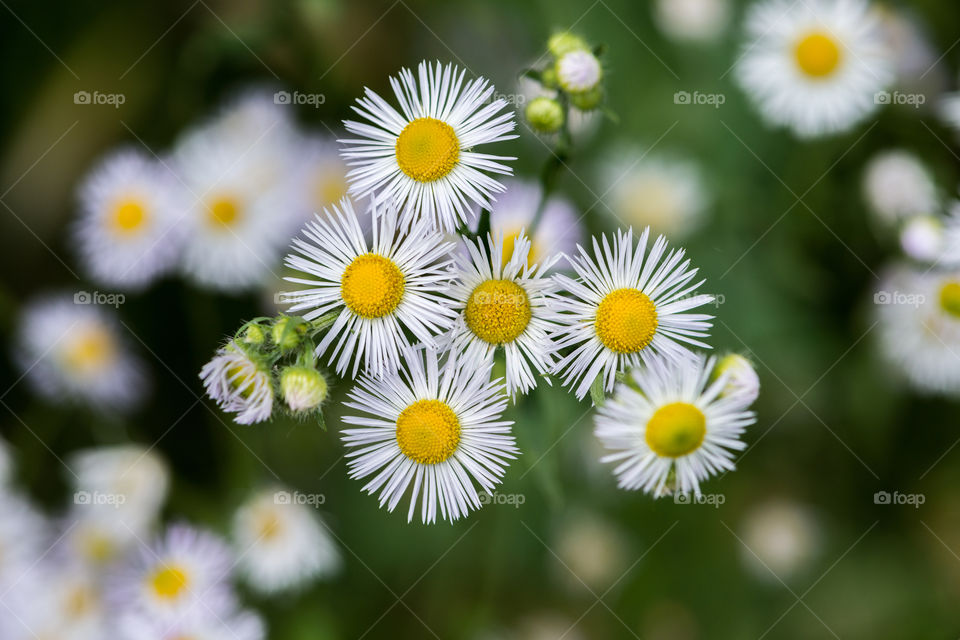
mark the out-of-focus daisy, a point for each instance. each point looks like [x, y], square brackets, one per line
[559, 229]
[910, 49]
[322, 175]
[815, 66]
[590, 550]
[626, 305]
[922, 238]
[781, 537]
[186, 569]
[503, 307]
[71, 350]
[741, 377]
[54, 600]
[128, 231]
[239, 383]
[377, 292]
[692, 20]
[218, 618]
[671, 420]
[422, 157]
[23, 538]
[439, 430]
[238, 171]
[897, 185]
[94, 537]
[281, 544]
[667, 194]
[919, 327]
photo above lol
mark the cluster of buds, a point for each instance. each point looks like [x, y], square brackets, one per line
[573, 78]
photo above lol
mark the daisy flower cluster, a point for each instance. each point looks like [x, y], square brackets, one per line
[108, 568]
[416, 294]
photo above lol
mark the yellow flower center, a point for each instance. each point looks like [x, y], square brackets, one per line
[128, 216]
[676, 430]
[169, 583]
[241, 379]
[89, 351]
[97, 547]
[427, 149]
[223, 212]
[428, 431]
[818, 55]
[626, 320]
[372, 286]
[509, 240]
[330, 187]
[268, 526]
[498, 311]
[950, 298]
[80, 601]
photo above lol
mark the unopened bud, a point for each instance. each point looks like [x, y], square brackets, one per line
[742, 378]
[286, 332]
[303, 388]
[545, 115]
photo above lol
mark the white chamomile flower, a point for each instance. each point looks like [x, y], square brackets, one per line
[128, 231]
[238, 172]
[667, 194]
[626, 305]
[281, 543]
[377, 292]
[503, 306]
[816, 66]
[919, 328]
[439, 430]
[692, 20]
[559, 229]
[240, 384]
[670, 419]
[186, 569]
[741, 377]
[897, 185]
[422, 158]
[217, 618]
[72, 350]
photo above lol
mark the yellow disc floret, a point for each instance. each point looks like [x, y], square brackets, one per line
[128, 216]
[950, 298]
[169, 583]
[427, 149]
[223, 211]
[818, 55]
[676, 430]
[626, 320]
[372, 286]
[498, 311]
[428, 431]
[90, 350]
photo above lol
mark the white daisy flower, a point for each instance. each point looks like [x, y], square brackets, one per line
[503, 306]
[217, 618]
[897, 185]
[322, 174]
[55, 600]
[439, 430]
[667, 194]
[919, 328]
[626, 306]
[422, 158]
[239, 172]
[779, 536]
[128, 231]
[71, 350]
[671, 420]
[185, 570]
[240, 384]
[742, 378]
[377, 292]
[281, 544]
[692, 20]
[96, 538]
[815, 66]
[559, 229]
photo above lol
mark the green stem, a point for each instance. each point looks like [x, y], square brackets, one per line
[555, 163]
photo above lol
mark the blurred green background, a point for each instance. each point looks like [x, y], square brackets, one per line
[797, 280]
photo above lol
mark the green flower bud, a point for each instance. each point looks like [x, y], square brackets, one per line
[303, 388]
[564, 42]
[253, 335]
[548, 78]
[287, 332]
[545, 115]
[587, 100]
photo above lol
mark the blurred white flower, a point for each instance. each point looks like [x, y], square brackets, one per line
[239, 384]
[897, 185]
[741, 376]
[321, 175]
[23, 538]
[780, 536]
[72, 350]
[816, 66]
[55, 600]
[922, 238]
[692, 20]
[591, 551]
[217, 617]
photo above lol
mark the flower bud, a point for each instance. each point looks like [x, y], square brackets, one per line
[587, 100]
[741, 376]
[286, 332]
[564, 42]
[578, 71]
[303, 388]
[545, 115]
[253, 335]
